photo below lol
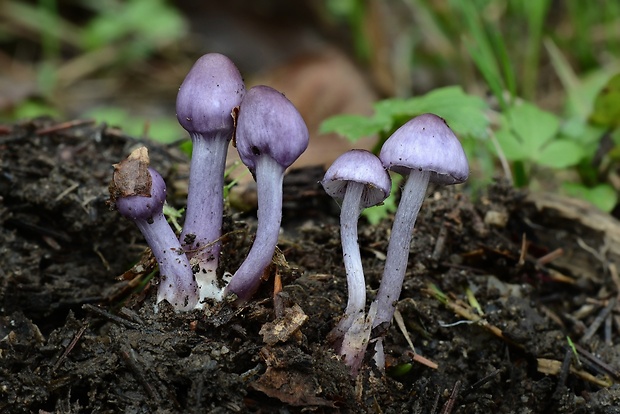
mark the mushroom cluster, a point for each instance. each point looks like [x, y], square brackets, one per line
[423, 150]
[270, 136]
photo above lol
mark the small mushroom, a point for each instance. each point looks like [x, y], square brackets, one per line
[139, 194]
[207, 97]
[270, 136]
[423, 150]
[359, 180]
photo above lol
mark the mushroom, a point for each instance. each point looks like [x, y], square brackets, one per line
[423, 150]
[207, 97]
[270, 136]
[358, 179]
[139, 194]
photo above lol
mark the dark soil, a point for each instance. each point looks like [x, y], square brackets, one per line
[79, 330]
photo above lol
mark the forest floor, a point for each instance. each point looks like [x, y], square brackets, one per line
[80, 332]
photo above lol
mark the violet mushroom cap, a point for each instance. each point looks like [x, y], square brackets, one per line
[423, 150]
[358, 166]
[177, 285]
[208, 94]
[211, 91]
[270, 136]
[359, 179]
[426, 143]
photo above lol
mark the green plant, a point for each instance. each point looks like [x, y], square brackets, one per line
[466, 115]
[164, 130]
[115, 36]
[503, 40]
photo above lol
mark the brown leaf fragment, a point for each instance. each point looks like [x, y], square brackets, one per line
[281, 329]
[290, 387]
[282, 381]
[131, 176]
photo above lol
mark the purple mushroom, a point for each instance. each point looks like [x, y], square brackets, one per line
[139, 194]
[207, 97]
[359, 180]
[270, 136]
[423, 150]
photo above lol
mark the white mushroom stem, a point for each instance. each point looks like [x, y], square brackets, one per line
[269, 176]
[354, 328]
[411, 200]
[176, 284]
[205, 207]
[349, 215]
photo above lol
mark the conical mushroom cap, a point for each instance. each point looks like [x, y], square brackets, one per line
[207, 96]
[426, 143]
[269, 124]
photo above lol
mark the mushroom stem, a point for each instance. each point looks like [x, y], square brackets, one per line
[139, 194]
[411, 200]
[176, 283]
[269, 175]
[349, 215]
[354, 328]
[205, 207]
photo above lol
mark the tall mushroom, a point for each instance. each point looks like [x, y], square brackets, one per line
[139, 194]
[205, 103]
[358, 179]
[423, 150]
[270, 136]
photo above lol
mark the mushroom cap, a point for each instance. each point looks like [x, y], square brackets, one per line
[359, 166]
[140, 207]
[268, 123]
[426, 143]
[211, 90]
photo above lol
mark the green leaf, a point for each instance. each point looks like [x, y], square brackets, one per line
[464, 113]
[354, 127]
[146, 22]
[560, 153]
[32, 109]
[531, 128]
[164, 130]
[581, 132]
[606, 110]
[512, 147]
[375, 214]
[603, 196]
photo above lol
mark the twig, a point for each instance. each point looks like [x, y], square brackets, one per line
[598, 321]
[482, 381]
[132, 364]
[596, 362]
[70, 347]
[64, 125]
[564, 371]
[66, 191]
[441, 242]
[553, 367]
[101, 312]
[449, 405]
[465, 311]
[398, 317]
[549, 257]
[524, 245]
[278, 305]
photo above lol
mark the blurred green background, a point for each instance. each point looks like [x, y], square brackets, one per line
[530, 87]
